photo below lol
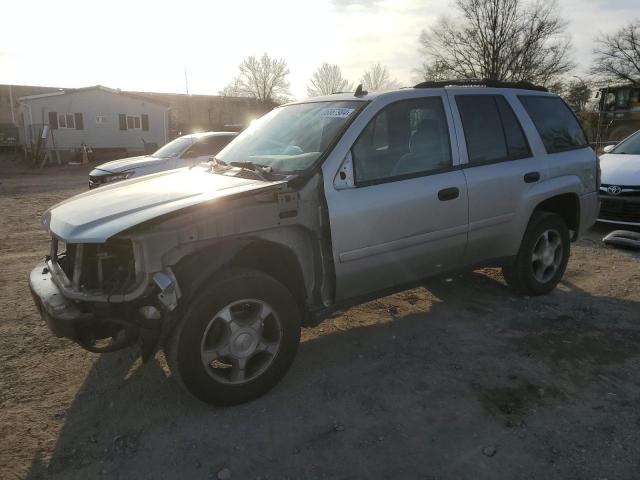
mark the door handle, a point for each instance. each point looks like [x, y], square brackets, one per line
[531, 177]
[448, 193]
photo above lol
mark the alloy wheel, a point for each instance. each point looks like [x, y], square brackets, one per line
[547, 255]
[241, 341]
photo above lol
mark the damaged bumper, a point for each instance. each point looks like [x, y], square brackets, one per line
[61, 314]
[94, 332]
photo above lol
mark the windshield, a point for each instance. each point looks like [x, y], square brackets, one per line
[630, 146]
[291, 138]
[173, 148]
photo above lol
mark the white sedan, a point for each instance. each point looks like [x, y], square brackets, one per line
[184, 151]
[620, 188]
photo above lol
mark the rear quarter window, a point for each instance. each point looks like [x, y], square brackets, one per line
[557, 125]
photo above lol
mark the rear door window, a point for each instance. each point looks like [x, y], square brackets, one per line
[557, 125]
[516, 141]
[483, 130]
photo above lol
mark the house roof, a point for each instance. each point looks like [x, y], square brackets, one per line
[66, 91]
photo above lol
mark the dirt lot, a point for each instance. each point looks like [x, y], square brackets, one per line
[457, 379]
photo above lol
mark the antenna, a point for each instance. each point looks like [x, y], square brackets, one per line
[360, 92]
[186, 81]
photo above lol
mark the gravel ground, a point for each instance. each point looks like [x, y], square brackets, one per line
[456, 379]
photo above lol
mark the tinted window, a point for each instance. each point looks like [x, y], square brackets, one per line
[517, 145]
[555, 122]
[208, 146]
[405, 138]
[482, 128]
[212, 145]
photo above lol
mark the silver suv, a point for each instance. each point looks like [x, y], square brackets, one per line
[320, 204]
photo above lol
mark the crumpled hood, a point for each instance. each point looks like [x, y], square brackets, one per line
[619, 169]
[126, 164]
[96, 215]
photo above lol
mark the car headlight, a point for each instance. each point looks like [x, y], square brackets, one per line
[117, 177]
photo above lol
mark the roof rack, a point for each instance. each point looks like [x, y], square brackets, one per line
[480, 82]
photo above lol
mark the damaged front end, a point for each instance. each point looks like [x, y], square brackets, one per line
[94, 295]
[126, 259]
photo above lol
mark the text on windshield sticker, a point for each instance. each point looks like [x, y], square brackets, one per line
[336, 112]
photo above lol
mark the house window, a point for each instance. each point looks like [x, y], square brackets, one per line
[101, 119]
[65, 120]
[133, 122]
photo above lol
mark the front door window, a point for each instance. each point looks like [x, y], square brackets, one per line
[406, 138]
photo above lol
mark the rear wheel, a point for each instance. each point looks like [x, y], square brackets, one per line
[543, 256]
[237, 340]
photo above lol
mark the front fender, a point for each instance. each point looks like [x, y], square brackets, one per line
[195, 269]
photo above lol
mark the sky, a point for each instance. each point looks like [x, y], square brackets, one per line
[147, 45]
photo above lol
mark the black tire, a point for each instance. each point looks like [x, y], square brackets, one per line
[183, 350]
[519, 274]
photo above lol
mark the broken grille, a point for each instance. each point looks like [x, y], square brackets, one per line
[106, 267]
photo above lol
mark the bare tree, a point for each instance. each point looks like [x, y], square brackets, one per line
[264, 78]
[618, 55]
[500, 40]
[234, 89]
[577, 94]
[378, 78]
[434, 71]
[327, 79]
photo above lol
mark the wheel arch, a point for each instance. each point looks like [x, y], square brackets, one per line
[284, 261]
[557, 195]
[278, 261]
[566, 205]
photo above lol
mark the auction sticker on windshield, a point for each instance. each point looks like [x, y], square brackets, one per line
[336, 112]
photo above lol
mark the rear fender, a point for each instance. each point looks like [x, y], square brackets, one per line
[537, 194]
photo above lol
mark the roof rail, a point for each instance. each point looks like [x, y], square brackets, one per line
[480, 82]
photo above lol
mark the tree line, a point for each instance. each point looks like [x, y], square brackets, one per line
[506, 40]
[265, 79]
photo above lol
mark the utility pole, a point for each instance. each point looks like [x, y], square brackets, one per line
[13, 117]
[186, 86]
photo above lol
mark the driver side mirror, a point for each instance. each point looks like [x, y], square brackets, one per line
[344, 177]
[608, 148]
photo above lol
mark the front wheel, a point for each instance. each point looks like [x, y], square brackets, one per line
[543, 256]
[237, 339]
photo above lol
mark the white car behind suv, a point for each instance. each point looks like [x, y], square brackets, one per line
[184, 151]
[620, 188]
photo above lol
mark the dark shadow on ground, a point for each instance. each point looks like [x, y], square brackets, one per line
[467, 381]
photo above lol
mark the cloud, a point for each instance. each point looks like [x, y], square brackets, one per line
[340, 4]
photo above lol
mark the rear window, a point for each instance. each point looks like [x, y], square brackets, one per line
[491, 129]
[557, 125]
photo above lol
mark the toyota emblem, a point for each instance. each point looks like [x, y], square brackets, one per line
[614, 190]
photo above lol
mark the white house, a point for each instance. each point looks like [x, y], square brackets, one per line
[104, 119]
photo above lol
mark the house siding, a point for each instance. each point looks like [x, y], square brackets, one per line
[92, 103]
